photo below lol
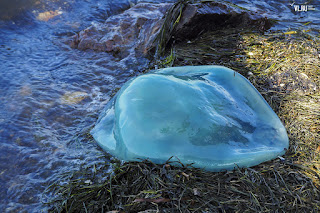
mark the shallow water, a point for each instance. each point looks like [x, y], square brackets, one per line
[50, 94]
[291, 13]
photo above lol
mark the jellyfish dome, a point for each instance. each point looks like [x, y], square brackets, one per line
[210, 116]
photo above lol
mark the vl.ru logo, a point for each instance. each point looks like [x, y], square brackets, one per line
[302, 7]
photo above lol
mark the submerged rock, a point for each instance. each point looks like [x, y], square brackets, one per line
[73, 97]
[47, 15]
[207, 115]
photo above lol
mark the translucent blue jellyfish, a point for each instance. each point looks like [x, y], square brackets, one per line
[207, 115]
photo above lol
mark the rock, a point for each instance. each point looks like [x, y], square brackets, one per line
[25, 90]
[125, 33]
[133, 32]
[201, 17]
[207, 115]
[73, 97]
[47, 15]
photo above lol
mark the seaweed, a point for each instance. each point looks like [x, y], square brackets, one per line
[171, 18]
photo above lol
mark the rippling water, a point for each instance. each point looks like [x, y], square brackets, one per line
[50, 94]
[289, 12]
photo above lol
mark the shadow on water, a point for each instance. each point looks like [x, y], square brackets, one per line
[13, 8]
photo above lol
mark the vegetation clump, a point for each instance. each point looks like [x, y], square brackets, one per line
[144, 186]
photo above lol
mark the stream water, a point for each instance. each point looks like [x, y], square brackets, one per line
[51, 94]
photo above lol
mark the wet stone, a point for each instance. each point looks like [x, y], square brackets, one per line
[207, 115]
[127, 34]
[133, 33]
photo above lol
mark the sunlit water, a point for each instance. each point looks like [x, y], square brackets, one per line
[50, 94]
